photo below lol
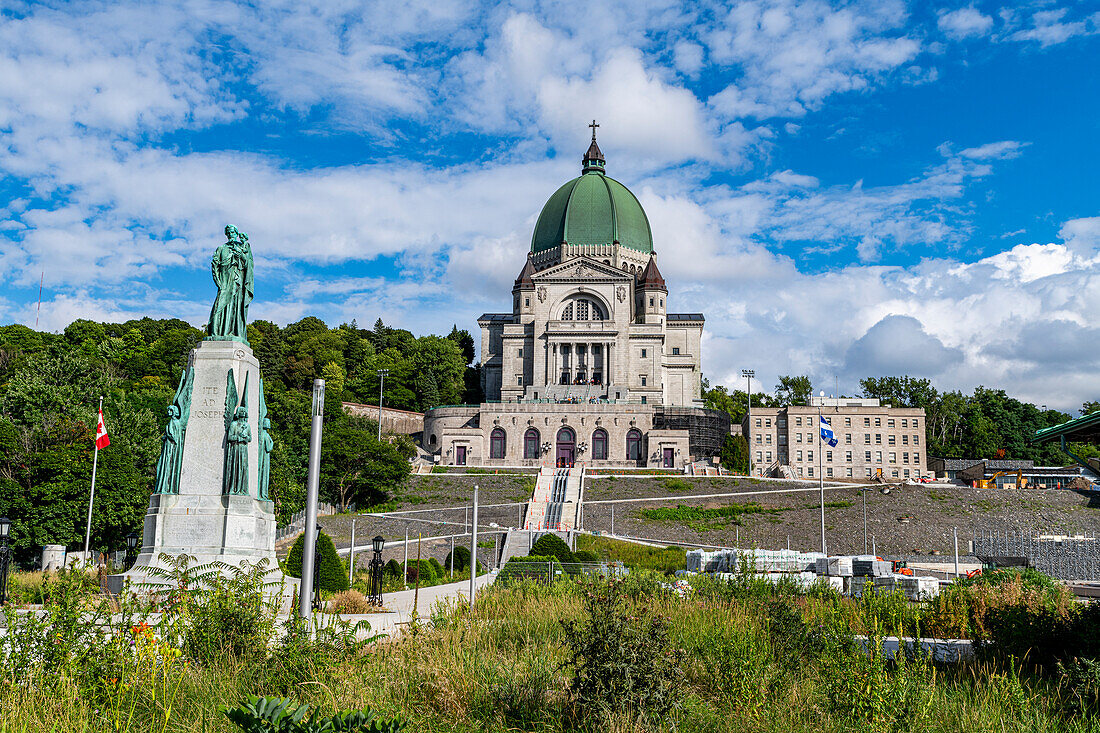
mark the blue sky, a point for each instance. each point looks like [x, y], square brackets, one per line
[845, 189]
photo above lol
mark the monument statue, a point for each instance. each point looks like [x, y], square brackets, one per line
[231, 268]
[171, 451]
[263, 468]
[238, 434]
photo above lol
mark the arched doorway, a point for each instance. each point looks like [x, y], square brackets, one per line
[566, 448]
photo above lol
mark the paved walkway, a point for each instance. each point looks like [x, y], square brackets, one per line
[400, 604]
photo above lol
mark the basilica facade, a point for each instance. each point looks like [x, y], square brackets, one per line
[589, 365]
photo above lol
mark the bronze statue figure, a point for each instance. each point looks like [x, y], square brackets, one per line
[171, 451]
[231, 268]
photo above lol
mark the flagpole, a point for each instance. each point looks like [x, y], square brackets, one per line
[821, 476]
[91, 496]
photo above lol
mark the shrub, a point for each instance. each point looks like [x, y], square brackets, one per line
[623, 658]
[551, 544]
[332, 575]
[461, 559]
[392, 569]
[420, 569]
[585, 556]
[439, 570]
[873, 691]
[229, 615]
[273, 714]
[350, 601]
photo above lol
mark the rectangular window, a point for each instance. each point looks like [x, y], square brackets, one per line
[643, 399]
[643, 380]
[798, 437]
[906, 473]
[829, 456]
[829, 471]
[798, 421]
[809, 455]
[758, 423]
[848, 456]
[878, 438]
[809, 470]
[867, 438]
[643, 353]
[519, 353]
[527, 302]
[759, 456]
[868, 472]
[905, 457]
[800, 455]
[878, 456]
[890, 440]
[759, 438]
[905, 440]
[519, 381]
[675, 350]
[893, 457]
[651, 302]
[904, 423]
[867, 456]
[767, 422]
[769, 456]
[916, 458]
[848, 472]
[848, 438]
[866, 422]
[878, 422]
[809, 437]
[768, 438]
[890, 423]
[847, 422]
[916, 440]
[895, 474]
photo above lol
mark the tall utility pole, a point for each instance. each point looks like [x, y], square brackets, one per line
[749, 374]
[309, 546]
[351, 555]
[381, 380]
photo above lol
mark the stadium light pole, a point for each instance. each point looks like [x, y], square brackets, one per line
[749, 374]
[381, 380]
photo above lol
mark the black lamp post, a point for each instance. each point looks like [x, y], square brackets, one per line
[131, 547]
[376, 571]
[5, 558]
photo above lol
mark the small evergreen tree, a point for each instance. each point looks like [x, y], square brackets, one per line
[461, 558]
[331, 573]
[735, 454]
[392, 569]
[551, 544]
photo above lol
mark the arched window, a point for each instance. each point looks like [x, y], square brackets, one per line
[583, 309]
[625, 267]
[634, 445]
[431, 440]
[633, 270]
[531, 443]
[599, 445]
[497, 444]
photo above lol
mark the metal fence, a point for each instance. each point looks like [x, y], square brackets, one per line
[297, 521]
[548, 572]
[1067, 557]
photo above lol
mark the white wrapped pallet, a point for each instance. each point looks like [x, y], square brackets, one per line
[839, 566]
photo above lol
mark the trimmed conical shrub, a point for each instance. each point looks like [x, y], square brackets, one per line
[551, 544]
[462, 559]
[332, 575]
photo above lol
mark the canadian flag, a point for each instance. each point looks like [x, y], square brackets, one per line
[102, 440]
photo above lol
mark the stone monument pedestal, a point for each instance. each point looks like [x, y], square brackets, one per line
[203, 520]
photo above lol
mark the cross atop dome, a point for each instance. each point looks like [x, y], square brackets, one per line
[593, 160]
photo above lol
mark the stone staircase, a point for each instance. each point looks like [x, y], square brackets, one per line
[553, 505]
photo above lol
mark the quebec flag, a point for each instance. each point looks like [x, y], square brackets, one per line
[827, 432]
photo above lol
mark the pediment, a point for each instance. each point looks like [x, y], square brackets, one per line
[581, 268]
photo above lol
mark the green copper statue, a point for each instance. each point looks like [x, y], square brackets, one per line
[171, 451]
[232, 271]
[238, 434]
[263, 469]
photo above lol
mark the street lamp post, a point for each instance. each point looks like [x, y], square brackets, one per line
[131, 547]
[749, 374]
[376, 571]
[381, 380]
[5, 558]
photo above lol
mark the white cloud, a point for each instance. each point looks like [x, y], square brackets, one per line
[1051, 27]
[965, 22]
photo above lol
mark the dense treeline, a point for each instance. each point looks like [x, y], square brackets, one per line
[985, 424]
[50, 386]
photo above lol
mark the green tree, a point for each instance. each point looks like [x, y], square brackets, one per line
[793, 390]
[550, 545]
[735, 454]
[358, 468]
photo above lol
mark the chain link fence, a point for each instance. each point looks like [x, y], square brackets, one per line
[1066, 557]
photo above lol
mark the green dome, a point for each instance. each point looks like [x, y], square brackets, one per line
[592, 210]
